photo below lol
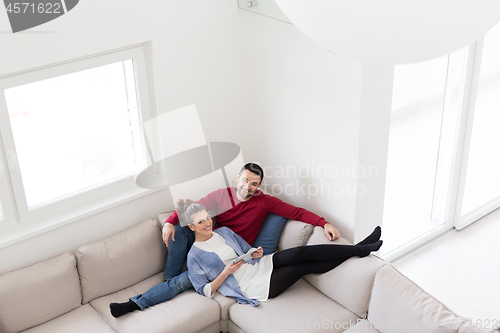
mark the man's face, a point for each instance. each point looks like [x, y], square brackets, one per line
[248, 183]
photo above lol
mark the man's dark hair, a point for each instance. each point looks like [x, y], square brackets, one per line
[254, 168]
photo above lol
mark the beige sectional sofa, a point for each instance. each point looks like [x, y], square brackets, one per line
[72, 292]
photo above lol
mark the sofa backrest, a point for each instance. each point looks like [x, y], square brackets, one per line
[398, 304]
[295, 233]
[38, 293]
[121, 260]
[349, 284]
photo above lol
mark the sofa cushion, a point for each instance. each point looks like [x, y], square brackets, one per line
[162, 217]
[38, 293]
[399, 305]
[187, 312]
[295, 233]
[81, 320]
[270, 233]
[301, 308]
[121, 260]
[349, 284]
[224, 303]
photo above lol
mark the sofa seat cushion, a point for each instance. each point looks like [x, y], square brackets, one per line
[81, 320]
[187, 312]
[117, 262]
[349, 284]
[362, 326]
[397, 304]
[301, 308]
[39, 293]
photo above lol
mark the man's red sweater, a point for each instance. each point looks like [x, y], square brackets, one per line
[246, 217]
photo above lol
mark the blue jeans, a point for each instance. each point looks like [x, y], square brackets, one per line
[164, 291]
[176, 283]
[177, 251]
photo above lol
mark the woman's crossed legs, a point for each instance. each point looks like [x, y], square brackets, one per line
[292, 264]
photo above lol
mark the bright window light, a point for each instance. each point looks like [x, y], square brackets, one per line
[482, 184]
[425, 112]
[76, 131]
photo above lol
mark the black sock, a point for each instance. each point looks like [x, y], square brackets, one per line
[366, 249]
[373, 237]
[119, 309]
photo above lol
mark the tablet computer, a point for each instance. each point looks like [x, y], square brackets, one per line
[247, 256]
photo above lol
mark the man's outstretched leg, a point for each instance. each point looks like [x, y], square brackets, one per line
[177, 251]
[158, 294]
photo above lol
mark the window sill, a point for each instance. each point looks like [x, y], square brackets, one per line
[23, 231]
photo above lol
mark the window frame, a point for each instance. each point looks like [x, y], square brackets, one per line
[19, 221]
[461, 142]
[8, 209]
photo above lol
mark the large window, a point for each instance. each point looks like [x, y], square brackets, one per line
[443, 170]
[71, 134]
[482, 186]
[425, 111]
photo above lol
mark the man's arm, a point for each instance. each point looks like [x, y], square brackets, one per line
[331, 232]
[169, 229]
[278, 207]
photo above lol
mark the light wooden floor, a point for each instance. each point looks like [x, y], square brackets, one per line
[461, 269]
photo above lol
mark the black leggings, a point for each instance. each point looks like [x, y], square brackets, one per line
[292, 264]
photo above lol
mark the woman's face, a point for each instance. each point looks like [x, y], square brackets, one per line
[202, 224]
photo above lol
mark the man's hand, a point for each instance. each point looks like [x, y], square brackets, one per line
[168, 230]
[257, 254]
[331, 232]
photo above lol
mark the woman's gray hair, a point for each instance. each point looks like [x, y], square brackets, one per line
[187, 209]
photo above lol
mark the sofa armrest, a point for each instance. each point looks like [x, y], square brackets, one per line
[398, 302]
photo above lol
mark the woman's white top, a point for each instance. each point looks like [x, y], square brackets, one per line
[253, 279]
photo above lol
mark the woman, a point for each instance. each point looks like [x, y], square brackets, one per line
[212, 265]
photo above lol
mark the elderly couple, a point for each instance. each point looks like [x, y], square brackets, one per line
[245, 216]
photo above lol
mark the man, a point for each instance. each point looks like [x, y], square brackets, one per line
[242, 209]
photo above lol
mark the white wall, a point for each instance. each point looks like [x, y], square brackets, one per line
[374, 127]
[306, 103]
[313, 111]
[256, 82]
